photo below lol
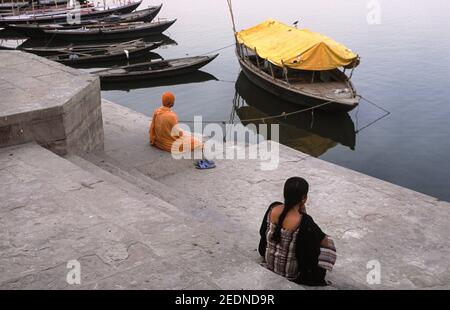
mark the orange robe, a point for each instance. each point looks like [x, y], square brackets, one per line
[161, 136]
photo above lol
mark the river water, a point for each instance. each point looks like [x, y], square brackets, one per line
[404, 69]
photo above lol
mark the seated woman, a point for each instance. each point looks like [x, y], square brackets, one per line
[291, 242]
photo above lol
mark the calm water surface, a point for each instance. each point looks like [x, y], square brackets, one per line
[405, 69]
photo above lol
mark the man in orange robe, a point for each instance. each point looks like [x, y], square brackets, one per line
[164, 129]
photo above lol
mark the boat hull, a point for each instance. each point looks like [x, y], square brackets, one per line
[62, 18]
[111, 36]
[138, 52]
[154, 75]
[36, 30]
[287, 94]
[55, 50]
[193, 77]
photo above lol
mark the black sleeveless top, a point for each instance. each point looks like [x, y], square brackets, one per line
[307, 249]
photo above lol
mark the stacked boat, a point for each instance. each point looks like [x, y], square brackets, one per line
[34, 30]
[63, 13]
[85, 34]
[94, 54]
[9, 6]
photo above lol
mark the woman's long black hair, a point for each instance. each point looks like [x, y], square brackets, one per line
[295, 190]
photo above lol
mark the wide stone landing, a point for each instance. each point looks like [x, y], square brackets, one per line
[54, 105]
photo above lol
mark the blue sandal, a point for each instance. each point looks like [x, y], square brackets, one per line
[205, 164]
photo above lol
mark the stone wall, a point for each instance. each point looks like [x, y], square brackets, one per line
[43, 101]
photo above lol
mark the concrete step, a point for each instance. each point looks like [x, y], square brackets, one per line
[107, 167]
[53, 211]
[117, 180]
[205, 248]
[183, 202]
[240, 191]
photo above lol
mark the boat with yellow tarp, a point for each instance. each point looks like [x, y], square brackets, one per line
[298, 65]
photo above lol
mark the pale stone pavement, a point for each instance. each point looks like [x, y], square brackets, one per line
[52, 211]
[136, 218]
[369, 219]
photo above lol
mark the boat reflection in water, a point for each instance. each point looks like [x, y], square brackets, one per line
[9, 34]
[311, 133]
[195, 77]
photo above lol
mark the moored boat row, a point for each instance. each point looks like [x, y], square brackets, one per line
[122, 31]
[38, 30]
[63, 14]
[111, 31]
[297, 65]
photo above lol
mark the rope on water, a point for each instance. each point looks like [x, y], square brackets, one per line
[219, 49]
[386, 113]
[374, 104]
[226, 81]
[285, 115]
[264, 119]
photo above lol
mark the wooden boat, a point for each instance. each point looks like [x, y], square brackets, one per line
[47, 10]
[52, 2]
[111, 32]
[52, 9]
[60, 15]
[191, 78]
[10, 6]
[6, 48]
[144, 15]
[40, 46]
[102, 65]
[44, 7]
[118, 53]
[53, 50]
[155, 69]
[309, 74]
[37, 30]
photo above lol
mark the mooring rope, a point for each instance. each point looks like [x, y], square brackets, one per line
[386, 113]
[226, 81]
[264, 119]
[374, 104]
[285, 115]
[219, 49]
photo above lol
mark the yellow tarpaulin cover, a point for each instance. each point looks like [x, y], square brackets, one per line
[299, 49]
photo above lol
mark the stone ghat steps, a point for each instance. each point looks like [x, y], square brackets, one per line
[181, 200]
[126, 177]
[215, 223]
[369, 219]
[207, 248]
[232, 198]
[53, 211]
